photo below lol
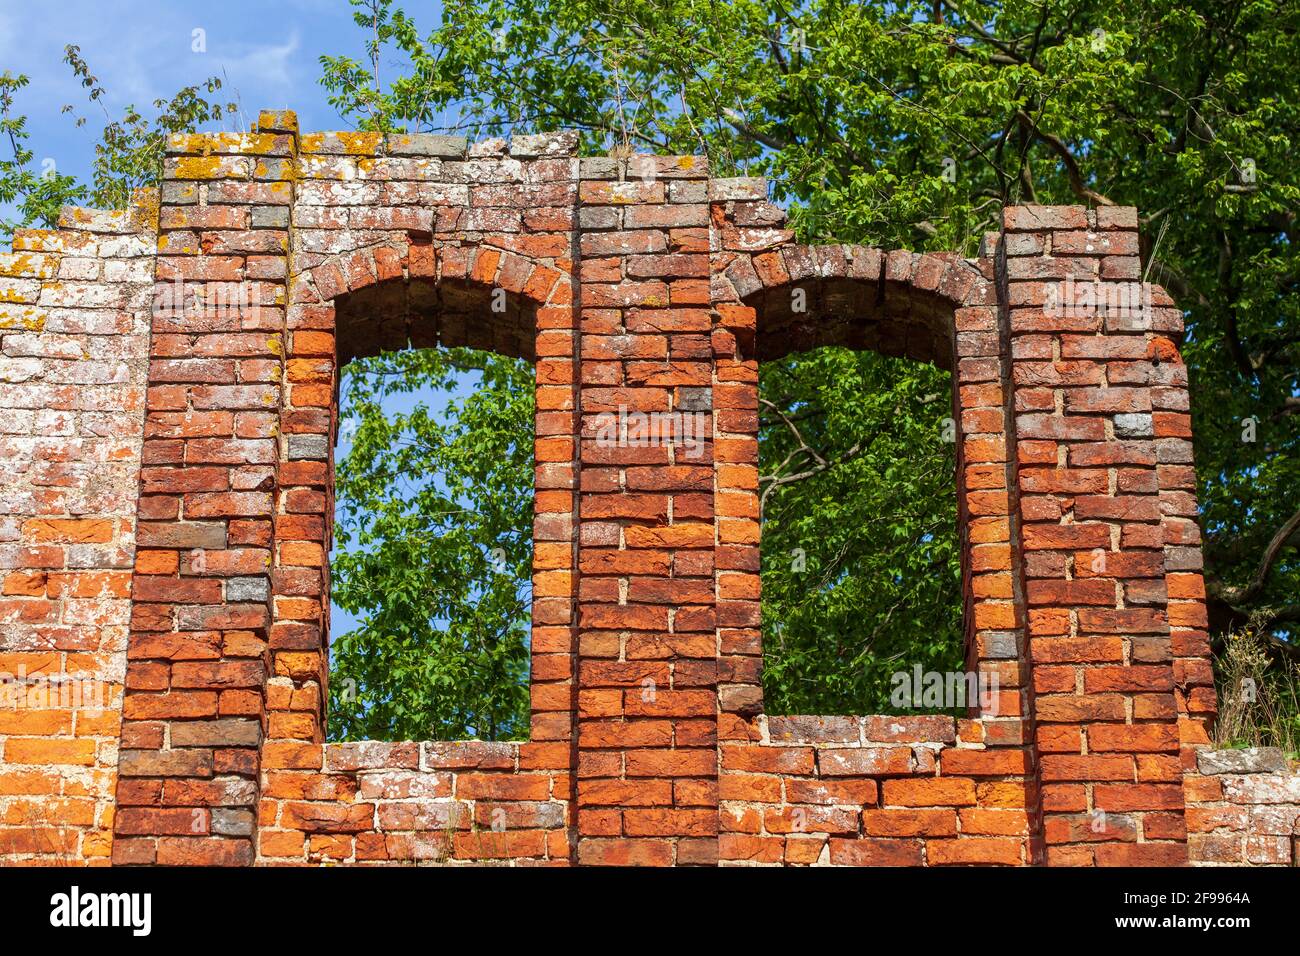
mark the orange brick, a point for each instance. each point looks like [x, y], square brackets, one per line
[49, 751]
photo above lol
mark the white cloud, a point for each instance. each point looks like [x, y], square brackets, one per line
[267, 72]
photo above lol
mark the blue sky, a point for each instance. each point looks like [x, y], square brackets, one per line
[266, 52]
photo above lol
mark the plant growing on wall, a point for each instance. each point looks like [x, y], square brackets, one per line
[128, 152]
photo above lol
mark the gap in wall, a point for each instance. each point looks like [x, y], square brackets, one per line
[431, 589]
[861, 577]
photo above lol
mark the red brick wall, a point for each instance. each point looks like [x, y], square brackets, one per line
[377, 802]
[873, 791]
[1101, 428]
[647, 672]
[638, 287]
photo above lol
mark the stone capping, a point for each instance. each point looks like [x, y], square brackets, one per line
[1243, 807]
[862, 731]
[1246, 760]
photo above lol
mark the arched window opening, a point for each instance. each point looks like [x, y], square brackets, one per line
[430, 585]
[859, 446]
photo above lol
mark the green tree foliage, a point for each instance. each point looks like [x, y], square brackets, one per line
[911, 124]
[434, 547]
[128, 153]
[860, 563]
[38, 195]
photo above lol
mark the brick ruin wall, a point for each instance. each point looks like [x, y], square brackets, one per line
[169, 383]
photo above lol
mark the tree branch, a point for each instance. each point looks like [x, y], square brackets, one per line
[744, 129]
[1077, 185]
[1240, 595]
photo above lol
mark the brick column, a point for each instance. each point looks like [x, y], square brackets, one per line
[194, 712]
[1089, 360]
[742, 221]
[647, 758]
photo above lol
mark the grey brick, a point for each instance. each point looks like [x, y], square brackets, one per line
[232, 822]
[308, 447]
[695, 399]
[270, 217]
[427, 144]
[562, 143]
[1248, 760]
[247, 589]
[1133, 425]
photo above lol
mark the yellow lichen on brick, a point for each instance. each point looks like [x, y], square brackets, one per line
[37, 240]
[15, 266]
[287, 171]
[186, 191]
[23, 265]
[85, 218]
[29, 320]
[14, 295]
[167, 242]
[198, 167]
[401, 140]
[198, 143]
[349, 143]
[622, 193]
[278, 120]
[364, 166]
[361, 144]
[206, 144]
[144, 209]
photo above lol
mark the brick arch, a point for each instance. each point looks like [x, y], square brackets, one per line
[398, 294]
[898, 303]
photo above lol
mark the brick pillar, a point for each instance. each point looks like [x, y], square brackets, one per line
[297, 648]
[194, 712]
[742, 220]
[1089, 360]
[647, 758]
